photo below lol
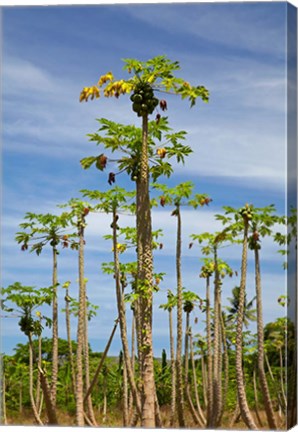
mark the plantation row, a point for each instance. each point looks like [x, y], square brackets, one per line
[206, 376]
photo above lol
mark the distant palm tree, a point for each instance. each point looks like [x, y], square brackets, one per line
[249, 312]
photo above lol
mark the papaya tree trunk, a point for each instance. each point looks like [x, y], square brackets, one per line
[133, 331]
[260, 330]
[3, 399]
[54, 330]
[101, 363]
[125, 396]
[256, 399]
[193, 411]
[122, 318]
[195, 382]
[226, 366]
[70, 353]
[204, 378]
[90, 410]
[209, 356]
[244, 409]
[145, 283]
[216, 387]
[104, 409]
[37, 398]
[180, 389]
[173, 371]
[50, 408]
[80, 333]
[31, 395]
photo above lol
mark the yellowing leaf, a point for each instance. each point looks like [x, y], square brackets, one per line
[105, 78]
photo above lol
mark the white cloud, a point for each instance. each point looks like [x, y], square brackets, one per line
[232, 27]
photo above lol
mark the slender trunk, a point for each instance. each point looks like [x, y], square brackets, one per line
[256, 399]
[193, 412]
[173, 371]
[226, 366]
[244, 409]
[282, 379]
[54, 330]
[87, 370]
[277, 391]
[236, 416]
[180, 389]
[80, 333]
[216, 388]
[100, 365]
[133, 330]
[125, 396]
[145, 273]
[70, 353]
[122, 318]
[50, 408]
[209, 354]
[37, 399]
[204, 378]
[33, 404]
[195, 382]
[3, 400]
[260, 329]
[220, 361]
[104, 409]
[40, 405]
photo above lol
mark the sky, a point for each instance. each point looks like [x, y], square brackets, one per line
[236, 50]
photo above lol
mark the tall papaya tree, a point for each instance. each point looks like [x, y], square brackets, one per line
[240, 224]
[126, 140]
[114, 201]
[123, 239]
[40, 231]
[78, 211]
[262, 223]
[211, 243]
[147, 79]
[177, 197]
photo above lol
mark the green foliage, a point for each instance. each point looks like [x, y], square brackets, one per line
[43, 229]
[126, 142]
[27, 299]
[116, 198]
[156, 74]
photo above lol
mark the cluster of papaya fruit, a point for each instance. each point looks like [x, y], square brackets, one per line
[143, 100]
[26, 324]
[246, 212]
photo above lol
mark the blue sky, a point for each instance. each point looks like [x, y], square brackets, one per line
[236, 50]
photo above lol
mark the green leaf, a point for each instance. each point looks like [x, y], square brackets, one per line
[88, 161]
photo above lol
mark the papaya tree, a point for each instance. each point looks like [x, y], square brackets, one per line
[113, 201]
[211, 243]
[258, 223]
[78, 211]
[27, 299]
[240, 224]
[41, 231]
[180, 196]
[147, 79]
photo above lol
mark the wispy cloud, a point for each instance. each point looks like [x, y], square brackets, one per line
[236, 26]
